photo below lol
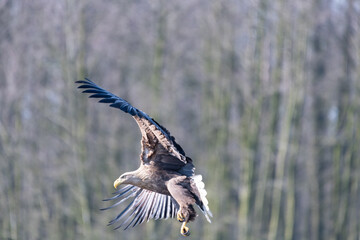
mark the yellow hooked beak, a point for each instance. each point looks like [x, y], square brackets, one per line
[117, 183]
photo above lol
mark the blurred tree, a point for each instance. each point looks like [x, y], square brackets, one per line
[264, 95]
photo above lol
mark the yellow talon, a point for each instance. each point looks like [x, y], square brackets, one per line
[180, 217]
[184, 230]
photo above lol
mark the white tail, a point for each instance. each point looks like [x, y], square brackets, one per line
[201, 188]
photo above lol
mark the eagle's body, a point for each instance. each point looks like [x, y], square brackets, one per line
[152, 180]
[165, 184]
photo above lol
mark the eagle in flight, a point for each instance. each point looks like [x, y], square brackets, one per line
[165, 184]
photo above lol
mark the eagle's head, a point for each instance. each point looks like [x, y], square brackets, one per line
[127, 178]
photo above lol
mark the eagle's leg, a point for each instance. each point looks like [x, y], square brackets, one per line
[180, 216]
[184, 217]
[184, 229]
[184, 197]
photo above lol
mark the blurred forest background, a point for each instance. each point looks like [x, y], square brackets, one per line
[264, 95]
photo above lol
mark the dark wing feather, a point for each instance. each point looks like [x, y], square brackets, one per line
[147, 124]
[115, 101]
[146, 205]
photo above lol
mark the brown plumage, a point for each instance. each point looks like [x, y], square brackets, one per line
[165, 184]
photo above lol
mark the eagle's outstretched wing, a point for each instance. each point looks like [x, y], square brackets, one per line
[145, 205]
[155, 138]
